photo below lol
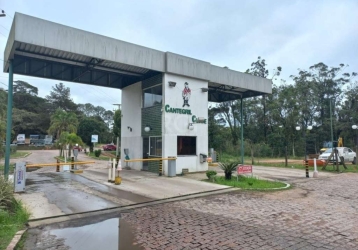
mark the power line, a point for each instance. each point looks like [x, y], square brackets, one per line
[4, 27]
[3, 35]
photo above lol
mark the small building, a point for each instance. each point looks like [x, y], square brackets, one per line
[165, 96]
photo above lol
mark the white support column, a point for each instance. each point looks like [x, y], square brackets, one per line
[113, 170]
[315, 172]
[109, 170]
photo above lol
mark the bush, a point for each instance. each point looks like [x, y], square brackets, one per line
[6, 194]
[228, 168]
[97, 152]
[13, 150]
[210, 173]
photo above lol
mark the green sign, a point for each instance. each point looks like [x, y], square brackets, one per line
[177, 110]
[195, 119]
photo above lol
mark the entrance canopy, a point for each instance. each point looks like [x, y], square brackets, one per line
[41, 48]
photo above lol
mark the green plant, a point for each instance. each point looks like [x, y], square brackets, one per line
[228, 168]
[6, 194]
[97, 152]
[12, 221]
[210, 174]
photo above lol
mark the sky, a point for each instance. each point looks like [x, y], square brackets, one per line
[292, 34]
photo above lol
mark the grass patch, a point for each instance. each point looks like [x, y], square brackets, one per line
[248, 182]
[33, 147]
[18, 154]
[101, 157]
[329, 168]
[11, 222]
[13, 215]
[351, 169]
[282, 165]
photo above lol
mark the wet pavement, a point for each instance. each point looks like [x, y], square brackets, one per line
[101, 232]
[66, 193]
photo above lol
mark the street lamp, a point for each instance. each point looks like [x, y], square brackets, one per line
[304, 138]
[355, 127]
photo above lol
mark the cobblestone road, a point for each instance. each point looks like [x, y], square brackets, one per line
[316, 214]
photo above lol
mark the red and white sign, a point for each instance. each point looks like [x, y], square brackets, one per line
[244, 169]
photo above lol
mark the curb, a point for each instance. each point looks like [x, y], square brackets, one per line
[268, 189]
[28, 153]
[60, 218]
[16, 239]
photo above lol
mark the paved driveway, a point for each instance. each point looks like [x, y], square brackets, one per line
[316, 214]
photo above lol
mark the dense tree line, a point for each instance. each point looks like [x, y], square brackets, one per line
[270, 121]
[55, 115]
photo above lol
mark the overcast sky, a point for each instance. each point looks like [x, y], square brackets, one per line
[288, 33]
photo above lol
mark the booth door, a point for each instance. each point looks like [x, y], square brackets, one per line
[145, 153]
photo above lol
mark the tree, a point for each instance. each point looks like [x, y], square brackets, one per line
[259, 69]
[63, 121]
[25, 88]
[317, 88]
[3, 106]
[229, 111]
[60, 98]
[30, 112]
[283, 110]
[88, 127]
[117, 120]
[71, 140]
[215, 125]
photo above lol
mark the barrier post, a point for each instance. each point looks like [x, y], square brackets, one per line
[58, 166]
[72, 163]
[117, 160]
[160, 167]
[307, 171]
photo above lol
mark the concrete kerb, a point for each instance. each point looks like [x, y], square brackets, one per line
[16, 239]
[62, 218]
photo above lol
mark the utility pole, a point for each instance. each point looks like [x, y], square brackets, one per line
[330, 113]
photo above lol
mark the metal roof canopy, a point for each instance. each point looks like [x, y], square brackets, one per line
[41, 48]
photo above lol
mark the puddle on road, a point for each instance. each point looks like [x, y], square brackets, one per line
[102, 235]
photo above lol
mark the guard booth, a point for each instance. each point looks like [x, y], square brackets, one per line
[164, 98]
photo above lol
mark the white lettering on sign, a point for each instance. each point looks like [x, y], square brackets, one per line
[244, 169]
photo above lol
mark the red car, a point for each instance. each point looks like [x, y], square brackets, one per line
[109, 147]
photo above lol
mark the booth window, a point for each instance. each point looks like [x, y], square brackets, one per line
[155, 145]
[186, 145]
[152, 96]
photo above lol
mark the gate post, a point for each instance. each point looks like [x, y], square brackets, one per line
[72, 163]
[58, 166]
[160, 167]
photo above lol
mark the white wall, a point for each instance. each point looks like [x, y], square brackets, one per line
[177, 124]
[131, 117]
